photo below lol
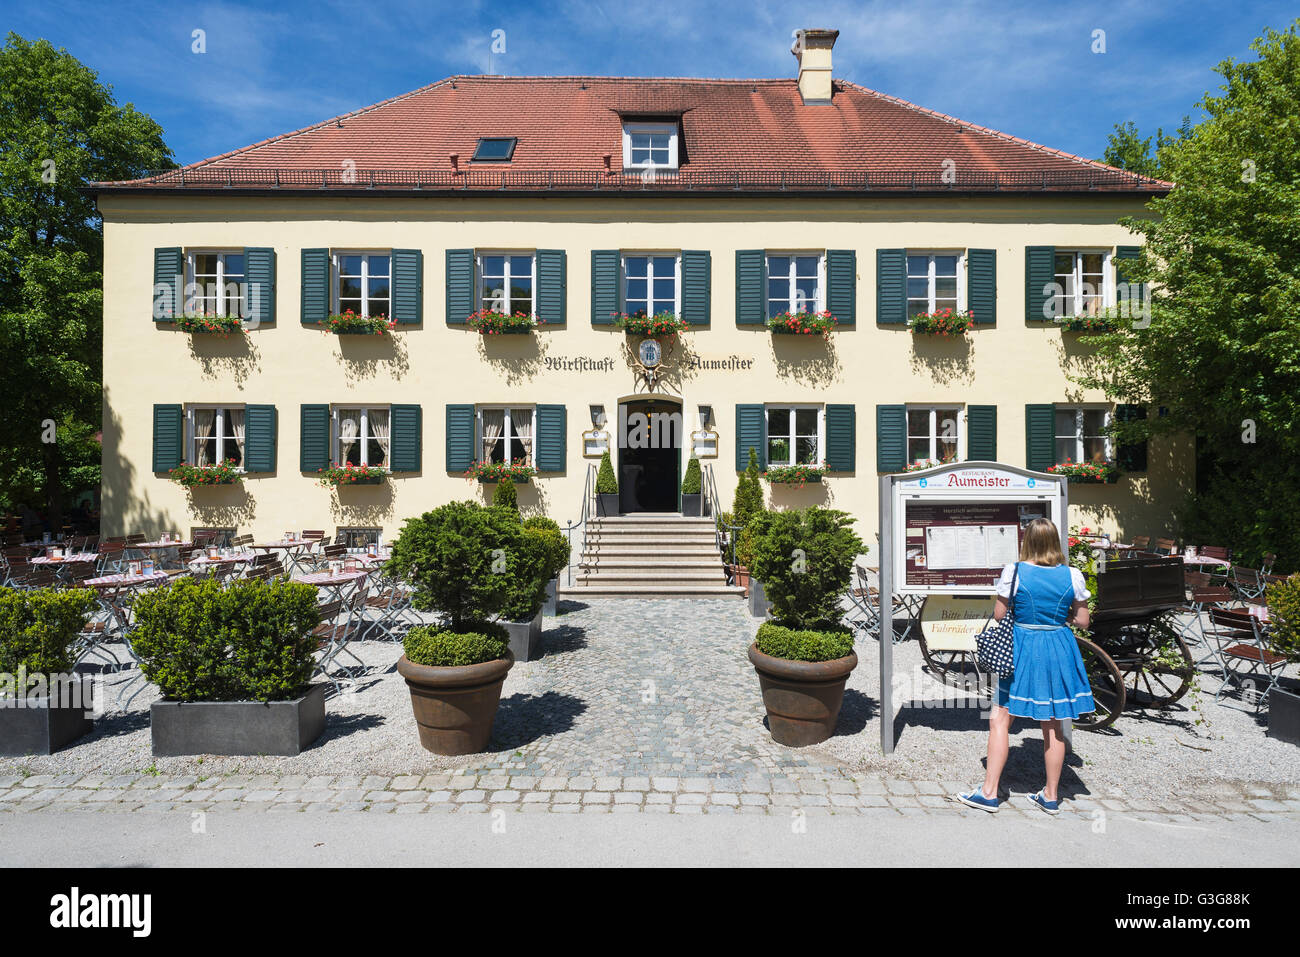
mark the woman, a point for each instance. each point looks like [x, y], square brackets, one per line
[1049, 682]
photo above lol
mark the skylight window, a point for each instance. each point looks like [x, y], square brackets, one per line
[495, 149]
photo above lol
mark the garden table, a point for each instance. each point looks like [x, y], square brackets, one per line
[348, 589]
[162, 548]
[294, 552]
[66, 559]
[115, 592]
[225, 565]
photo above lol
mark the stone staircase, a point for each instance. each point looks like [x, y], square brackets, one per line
[648, 555]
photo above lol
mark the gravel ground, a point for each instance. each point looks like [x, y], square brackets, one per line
[583, 708]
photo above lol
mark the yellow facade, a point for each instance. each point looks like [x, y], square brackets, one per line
[433, 364]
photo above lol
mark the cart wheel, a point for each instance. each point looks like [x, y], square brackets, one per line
[955, 668]
[1159, 684]
[1107, 687]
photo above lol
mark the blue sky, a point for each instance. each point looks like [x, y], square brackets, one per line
[1026, 68]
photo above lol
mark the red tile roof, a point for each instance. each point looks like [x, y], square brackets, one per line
[757, 129]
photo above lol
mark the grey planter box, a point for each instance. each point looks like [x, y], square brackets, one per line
[1284, 712]
[759, 606]
[525, 638]
[238, 727]
[548, 609]
[37, 728]
[692, 504]
[607, 504]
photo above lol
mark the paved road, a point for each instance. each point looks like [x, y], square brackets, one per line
[886, 839]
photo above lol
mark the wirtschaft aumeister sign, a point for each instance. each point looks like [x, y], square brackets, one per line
[949, 530]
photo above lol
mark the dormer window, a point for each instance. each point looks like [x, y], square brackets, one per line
[650, 146]
[494, 149]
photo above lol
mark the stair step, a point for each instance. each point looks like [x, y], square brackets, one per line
[664, 590]
[699, 541]
[657, 518]
[659, 561]
[678, 576]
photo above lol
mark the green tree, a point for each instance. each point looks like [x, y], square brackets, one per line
[747, 504]
[61, 130]
[1127, 149]
[1220, 355]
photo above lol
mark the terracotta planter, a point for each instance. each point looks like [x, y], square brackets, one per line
[740, 576]
[802, 698]
[454, 707]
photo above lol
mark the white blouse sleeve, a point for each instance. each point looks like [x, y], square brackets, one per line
[1003, 587]
[1080, 586]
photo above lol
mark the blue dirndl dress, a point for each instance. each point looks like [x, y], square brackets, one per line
[1050, 680]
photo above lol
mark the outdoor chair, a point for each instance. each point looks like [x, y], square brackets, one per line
[241, 540]
[1202, 594]
[1165, 546]
[865, 599]
[387, 609]
[1251, 582]
[331, 639]
[1244, 655]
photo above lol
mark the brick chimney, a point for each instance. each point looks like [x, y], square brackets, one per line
[813, 50]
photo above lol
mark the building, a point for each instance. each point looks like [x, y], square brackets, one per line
[575, 198]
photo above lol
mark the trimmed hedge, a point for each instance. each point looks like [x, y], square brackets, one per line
[427, 645]
[1284, 612]
[795, 644]
[691, 481]
[246, 641]
[556, 544]
[506, 495]
[606, 481]
[39, 628]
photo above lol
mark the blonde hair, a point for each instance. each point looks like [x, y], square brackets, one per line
[1042, 543]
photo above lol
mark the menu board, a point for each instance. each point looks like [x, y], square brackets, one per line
[960, 543]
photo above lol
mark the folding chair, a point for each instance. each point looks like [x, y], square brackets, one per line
[331, 641]
[388, 608]
[1245, 656]
[1251, 582]
[865, 599]
[1202, 595]
[1165, 546]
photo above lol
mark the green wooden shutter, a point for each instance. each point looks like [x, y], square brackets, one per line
[1040, 436]
[1040, 277]
[314, 438]
[891, 438]
[259, 275]
[604, 286]
[405, 427]
[408, 286]
[461, 301]
[168, 281]
[1127, 297]
[751, 432]
[982, 285]
[552, 286]
[697, 285]
[842, 285]
[891, 287]
[315, 285]
[751, 287]
[259, 438]
[1123, 253]
[841, 438]
[1132, 456]
[982, 433]
[460, 437]
[168, 437]
[550, 424]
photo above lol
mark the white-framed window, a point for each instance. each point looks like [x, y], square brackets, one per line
[358, 539]
[650, 146]
[934, 433]
[652, 283]
[795, 434]
[506, 282]
[935, 280]
[361, 435]
[1081, 434]
[1084, 280]
[363, 283]
[505, 434]
[215, 434]
[215, 282]
[796, 282]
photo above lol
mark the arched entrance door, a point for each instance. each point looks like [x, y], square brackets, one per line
[650, 432]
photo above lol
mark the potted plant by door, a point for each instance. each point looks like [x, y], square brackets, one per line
[1284, 639]
[461, 558]
[606, 487]
[803, 656]
[234, 665]
[43, 705]
[746, 507]
[692, 497]
[557, 555]
[530, 568]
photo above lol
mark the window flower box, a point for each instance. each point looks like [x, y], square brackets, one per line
[660, 324]
[351, 324]
[803, 324]
[1104, 321]
[921, 464]
[203, 324]
[517, 471]
[491, 323]
[194, 476]
[799, 475]
[1091, 473]
[341, 476]
[941, 322]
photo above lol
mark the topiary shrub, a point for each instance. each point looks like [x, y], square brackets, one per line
[1284, 616]
[606, 481]
[795, 644]
[39, 628]
[691, 480]
[439, 648]
[249, 640]
[505, 494]
[748, 501]
[804, 558]
[556, 544]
